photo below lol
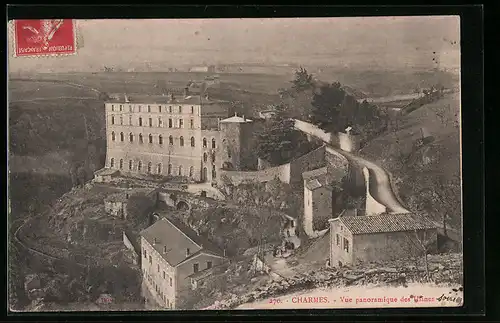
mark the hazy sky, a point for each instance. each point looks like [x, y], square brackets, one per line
[375, 41]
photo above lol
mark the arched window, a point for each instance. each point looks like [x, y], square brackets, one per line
[204, 142]
[170, 140]
[131, 137]
[213, 143]
[181, 141]
[121, 163]
[169, 169]
[112, 163]
[130, 165]
[141, 140]
[140, 121]
[191, 171]
[112, 119]
[205, 157]
[159, 168]
[122, 137]
[170, 123]
[150, 138]
[149, 167]
[192, 141]
[113, 136]
[180, 170]
[139, 166]
[121, 120]
[160, 140]
[214, 173]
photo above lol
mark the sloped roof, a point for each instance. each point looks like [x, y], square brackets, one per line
[236, 119]
[399, 222]
[313, 184]
[176, 237]
[315, 173]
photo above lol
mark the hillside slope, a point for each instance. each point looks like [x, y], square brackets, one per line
[426, 173]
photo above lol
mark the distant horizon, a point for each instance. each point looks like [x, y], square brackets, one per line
[422, 42]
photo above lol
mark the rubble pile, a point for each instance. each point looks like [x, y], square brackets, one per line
[442, 269]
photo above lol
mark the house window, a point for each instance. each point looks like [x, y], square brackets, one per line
[150, 138]
[113, 136]
[180, 109]
[180, 170]
[228, 153]
[158, 168]
[181, 141]
[141, 140]
[130, 108]
[170, 123]
[112, 107]
[130, 120]
[188, 252]
[150, 260]
[195, 268]
[170, 109]
[121, 163]
[149, 108]
[205, 157]
[121, 120]
[149, 167]
[163, 274]
[214, 174]
[140, 121]
[181, 123]
[213, 157]
[169, 169]
[213, 143]
[121, 107]
[112, 119]
[171, 140]
[160, 122]
[122, 137]
[192, 141]
[159, 108]
[145, 253]
[150, 122]
[204, 142]
[170, 281]
[192, 109]
[209, 264]
[139, 166]
[160, 140]
[112, 163]
[191, 171]
[337, 238]
[191, 122]
[131, 137]
[346, 245]
[130, 165]
[158, 267]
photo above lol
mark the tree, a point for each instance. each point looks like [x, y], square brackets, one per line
[327, 106]
[302, 80]
[421, 242]
[278, 140]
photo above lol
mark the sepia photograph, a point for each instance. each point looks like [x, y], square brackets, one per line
[234, 164]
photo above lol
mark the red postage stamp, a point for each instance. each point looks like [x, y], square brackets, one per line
[44, 37]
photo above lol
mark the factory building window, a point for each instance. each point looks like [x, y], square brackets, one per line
[204, 142]
[149, 108]
[160, 122]
[169, 169]
[149, 167]
[160, 140]
[191, 171]
[192, 141]
[112, 107]
[121, 163]
[130, 165]
[121, 107]
[159, 168]
[191, 122]
[140, 121]
[169, 109]
[112, 163]
[180, 170]
[170, 123]
[121, 120]
[139, 166]
[141, 140]
[150, 138]
[214, 173]
[205, 157]
[112, 119]
[181, 123]
[113, 136]
[181, 141]
[130, 120]
[213, 157]
[130, 108]
[213, 143]
[122, 137]
[180, 109]
[140, 109]
[192, 110]
[131, 137]
[171, 140]
[150, 122]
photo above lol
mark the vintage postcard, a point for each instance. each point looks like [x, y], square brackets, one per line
[179, 164]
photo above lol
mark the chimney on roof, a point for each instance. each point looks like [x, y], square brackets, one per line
[126, 98]
[235, 113]
[243, 118]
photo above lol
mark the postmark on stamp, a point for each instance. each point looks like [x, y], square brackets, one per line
[44, 37]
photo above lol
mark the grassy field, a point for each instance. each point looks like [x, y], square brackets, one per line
[435, 165]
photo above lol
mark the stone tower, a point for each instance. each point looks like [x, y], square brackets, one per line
[236, 143]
